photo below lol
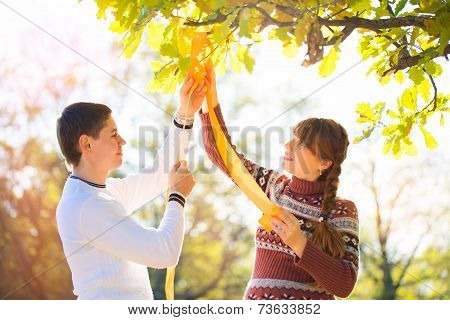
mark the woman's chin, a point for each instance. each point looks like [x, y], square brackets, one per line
[286, 166]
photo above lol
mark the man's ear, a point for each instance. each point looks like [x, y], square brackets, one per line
[84, 143]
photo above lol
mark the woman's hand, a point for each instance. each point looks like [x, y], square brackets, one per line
[198, 95]
[288, 228]
[211, 81]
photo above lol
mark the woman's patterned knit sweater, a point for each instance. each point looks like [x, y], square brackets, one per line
[278, 273]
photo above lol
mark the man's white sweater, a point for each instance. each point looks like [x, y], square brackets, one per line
[107, 250]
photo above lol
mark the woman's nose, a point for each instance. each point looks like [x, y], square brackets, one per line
[287, 145]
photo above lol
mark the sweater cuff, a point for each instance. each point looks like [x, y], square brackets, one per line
[183, 122]
[177, 197]
[309, 257]
[204, 117]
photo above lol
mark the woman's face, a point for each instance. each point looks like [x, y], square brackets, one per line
[301, 162]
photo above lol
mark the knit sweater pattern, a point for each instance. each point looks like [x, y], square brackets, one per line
[278, 273]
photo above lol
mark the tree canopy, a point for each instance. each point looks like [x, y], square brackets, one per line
[403, 40]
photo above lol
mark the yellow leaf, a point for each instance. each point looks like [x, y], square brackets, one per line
[424, 89]
[283, 17]
[131, 43]
[399, 76]
[291, 49]
[116, 27]
[244, 56]
[235, 64]
[429, 139]
[384, 80]
[156, 65]
[301, 28]
[328, 63]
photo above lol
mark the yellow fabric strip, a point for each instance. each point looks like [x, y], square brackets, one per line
[238, 172]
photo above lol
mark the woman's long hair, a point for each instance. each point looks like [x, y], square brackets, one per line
[328, 140]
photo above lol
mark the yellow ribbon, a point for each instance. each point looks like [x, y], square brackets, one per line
[170, 273]
[238, 172]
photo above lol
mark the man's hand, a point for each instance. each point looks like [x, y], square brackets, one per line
[181, 179]
[198, 95]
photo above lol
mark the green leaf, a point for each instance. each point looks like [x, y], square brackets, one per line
[416, 75]
[209, 6]
[282, 33]
[400, 5]
[429, 139]
[244, 23]
[169, 49]
[359, 5]
[432, 68]
[220, 33]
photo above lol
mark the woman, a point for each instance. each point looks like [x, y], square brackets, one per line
[312, 251]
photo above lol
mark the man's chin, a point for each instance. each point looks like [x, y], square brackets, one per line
[117, 165]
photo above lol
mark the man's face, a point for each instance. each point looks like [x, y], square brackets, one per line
[107, 148]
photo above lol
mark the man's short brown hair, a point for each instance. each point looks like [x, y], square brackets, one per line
[78, 119]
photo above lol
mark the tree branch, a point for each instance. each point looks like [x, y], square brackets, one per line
[374, 25]
[434, 100]
[409, 261]
[220, 18]
[270, 18]
[409, 61]
[342, 36]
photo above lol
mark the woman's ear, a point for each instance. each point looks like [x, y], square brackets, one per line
[326, 164]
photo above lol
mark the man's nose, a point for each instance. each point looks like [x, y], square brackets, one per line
[122, 141]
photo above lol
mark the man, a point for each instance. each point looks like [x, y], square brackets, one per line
[108, 252]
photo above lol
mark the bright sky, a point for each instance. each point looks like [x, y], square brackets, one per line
[274, 85]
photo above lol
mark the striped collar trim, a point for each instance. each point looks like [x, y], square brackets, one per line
[96, 185]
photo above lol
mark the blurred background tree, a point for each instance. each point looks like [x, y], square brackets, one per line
[404, 249]
[32, 175]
